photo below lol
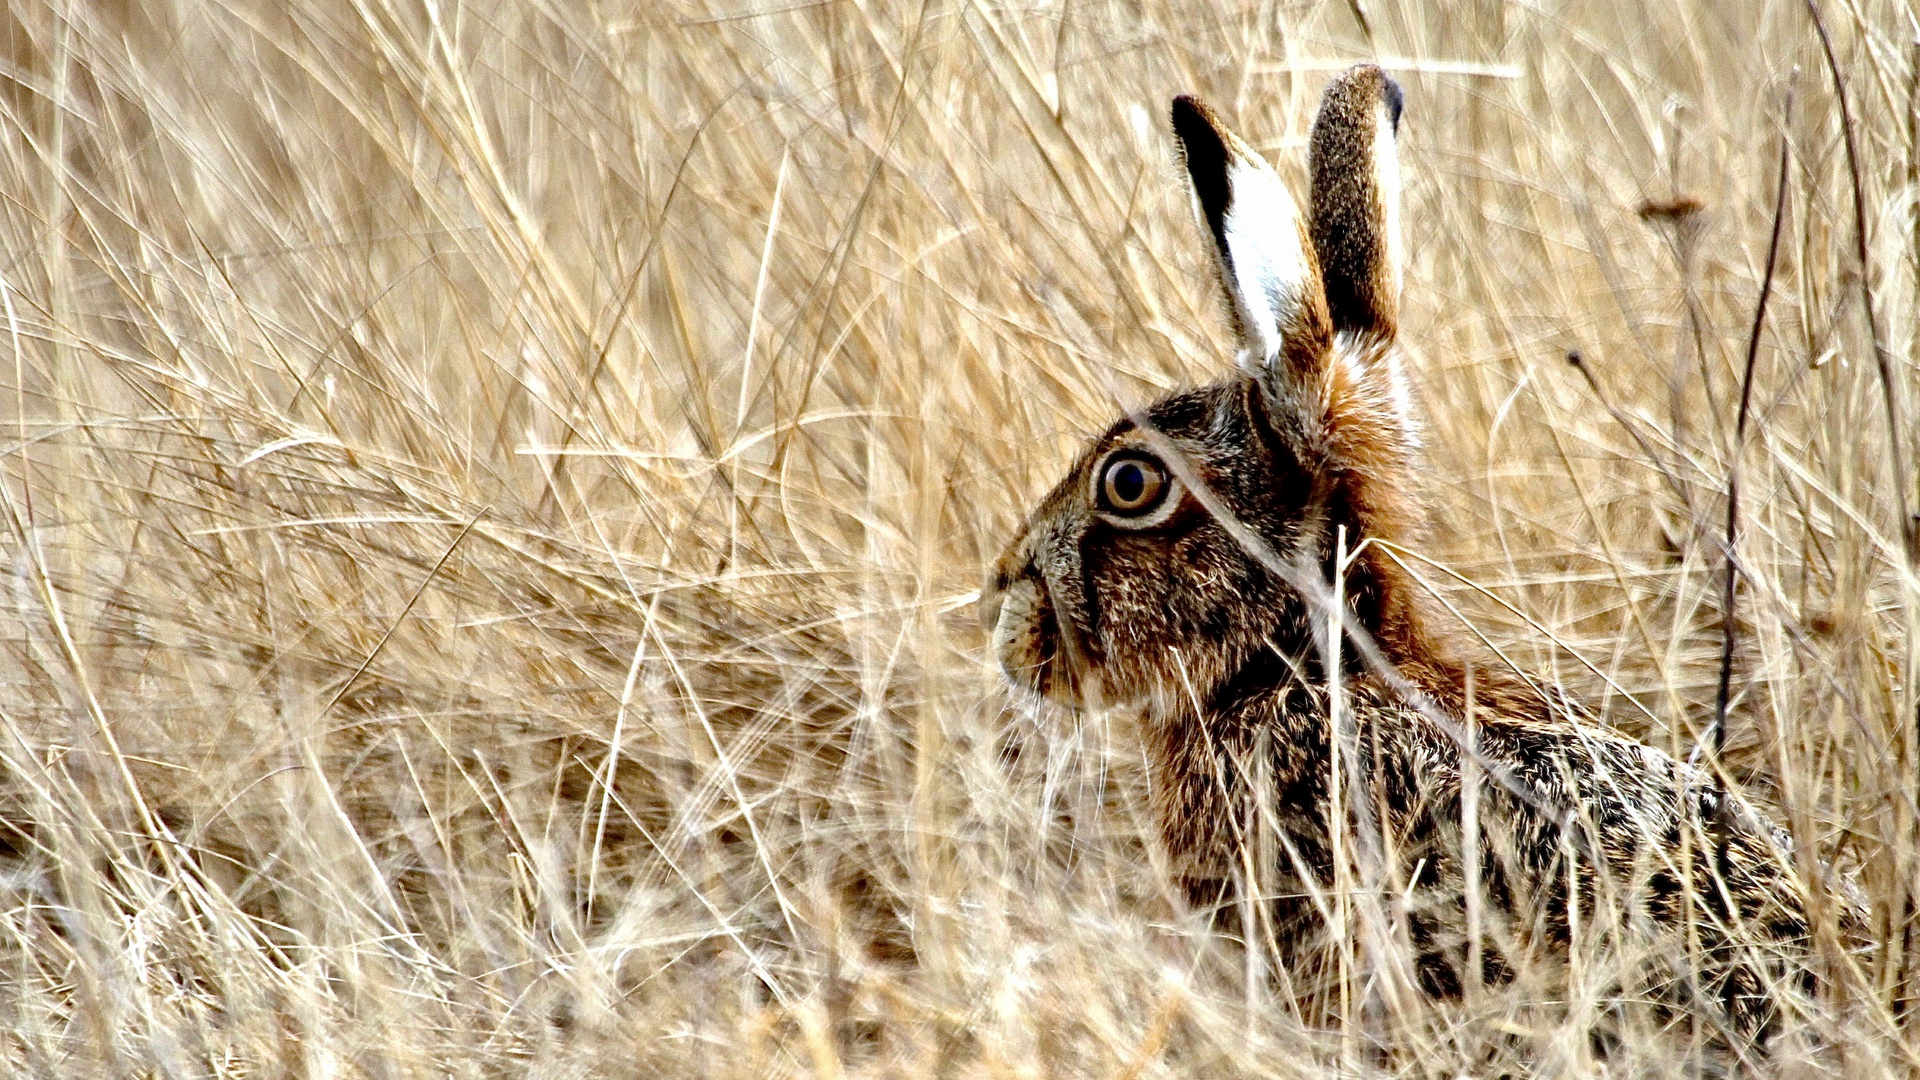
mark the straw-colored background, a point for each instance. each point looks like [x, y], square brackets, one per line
[495, 494]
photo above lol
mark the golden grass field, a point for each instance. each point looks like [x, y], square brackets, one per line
[495, 497]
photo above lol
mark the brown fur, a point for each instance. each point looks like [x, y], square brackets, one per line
[1202, 619]
[1348, 206]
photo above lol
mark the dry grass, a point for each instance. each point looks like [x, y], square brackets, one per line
[494, 495]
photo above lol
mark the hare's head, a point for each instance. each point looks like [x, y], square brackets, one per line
[1171, 556]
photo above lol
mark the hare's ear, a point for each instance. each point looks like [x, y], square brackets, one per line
[1356, 199]
[1265, 259]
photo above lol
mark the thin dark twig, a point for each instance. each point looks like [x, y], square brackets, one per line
[1906, 905]
[1881, 357]
[1740, 436]
[1882, 361]
[1728, 611]
[1579, 363]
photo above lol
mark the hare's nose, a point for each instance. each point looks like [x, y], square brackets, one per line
[990, 598]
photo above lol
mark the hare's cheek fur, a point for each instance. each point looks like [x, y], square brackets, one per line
[1093, 615]
[1178, 612]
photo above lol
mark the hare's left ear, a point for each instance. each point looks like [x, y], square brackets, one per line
[1265, 259]
[1356, 200]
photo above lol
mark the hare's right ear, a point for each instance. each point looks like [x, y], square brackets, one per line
[1354, 158]
[1265, 258]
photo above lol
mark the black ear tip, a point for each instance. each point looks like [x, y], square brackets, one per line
[1396, 100]
[1199, 135]
[1189, 117]
[1204, 152]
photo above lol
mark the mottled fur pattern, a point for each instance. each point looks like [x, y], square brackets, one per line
[1197, 609]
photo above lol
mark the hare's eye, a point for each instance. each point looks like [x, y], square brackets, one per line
[1132, 485]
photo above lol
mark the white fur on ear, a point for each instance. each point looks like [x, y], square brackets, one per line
[1386, 185]
[1386, 179]
[1259, 236]
[1264, 259]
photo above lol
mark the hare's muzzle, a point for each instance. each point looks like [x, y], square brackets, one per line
[1020, 623]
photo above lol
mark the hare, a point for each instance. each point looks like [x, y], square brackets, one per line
[1190, 564]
